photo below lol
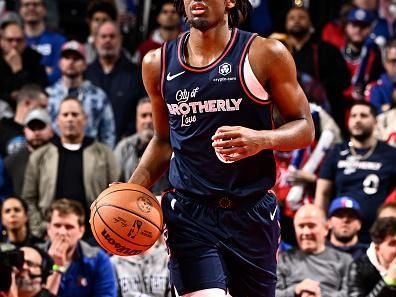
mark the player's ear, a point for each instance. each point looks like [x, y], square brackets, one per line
[230, 3]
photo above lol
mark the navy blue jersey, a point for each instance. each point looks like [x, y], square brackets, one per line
[200, 100]
[368, 181]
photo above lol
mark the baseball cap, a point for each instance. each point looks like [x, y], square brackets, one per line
[359, 15]
[73, 46]
[343, 203]
[38, 114]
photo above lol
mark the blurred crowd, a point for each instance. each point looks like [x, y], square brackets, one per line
[75, 117]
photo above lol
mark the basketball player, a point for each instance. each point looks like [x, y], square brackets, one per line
[212, 93]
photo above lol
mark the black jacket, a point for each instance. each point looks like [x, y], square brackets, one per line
[365, 281]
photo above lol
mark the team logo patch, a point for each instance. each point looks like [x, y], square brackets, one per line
[135, 229]
[225, 69]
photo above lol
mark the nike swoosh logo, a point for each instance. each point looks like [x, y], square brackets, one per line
[272, 215]
[170, 77]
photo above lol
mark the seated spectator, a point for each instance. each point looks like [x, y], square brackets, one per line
[71, 165]
[143, 275]
[97, 107]
[362, 168]
[113, 71]
[11, 129]
[80, 270]
[32, 277]
[47, 43]
[169, 28]
[98, 12]
[387, 210]
[374, 274]
[37, 131]
[313, 269]
[19, 64]
[14, 218]
[129, 150]
[344, 224]
[381, 93]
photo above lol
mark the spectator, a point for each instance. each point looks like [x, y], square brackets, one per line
[144, 275]
[129, 150]
[344, 221]
[117, 76]
[320, 60]
[374, 274]
[169, 28]
[48, 44]
[38, 132]
[361, 168]
[313, 269]
[11, 130]
[387, 210]
[32, 277]
[19, 64]
[73, 166]
[14, 217]
[381, 93]
[80, 269]
[100, 117]
[98, 12]
[360, 52]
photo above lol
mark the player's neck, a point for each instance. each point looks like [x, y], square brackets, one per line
[363, 144]
[203, 48]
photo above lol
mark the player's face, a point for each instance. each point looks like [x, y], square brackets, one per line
[72, 65]
[203, 15]
[168, 17]
[13, 216]
[298, 22]
[71, 120]
[66, 227]
[386, 250]
[344, 225]
[108, 41]
[28, 278]
[361, 122]
[12, 37]
[32, 11]
[311, 231]
[144, 121]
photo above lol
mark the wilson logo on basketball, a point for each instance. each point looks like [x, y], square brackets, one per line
[144, 204]
[118, 246]
[135, 229]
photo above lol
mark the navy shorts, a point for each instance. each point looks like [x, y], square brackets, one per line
[234, 249]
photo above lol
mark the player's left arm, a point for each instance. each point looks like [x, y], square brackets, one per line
[276, 71]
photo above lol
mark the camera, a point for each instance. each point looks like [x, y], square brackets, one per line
[9, 257]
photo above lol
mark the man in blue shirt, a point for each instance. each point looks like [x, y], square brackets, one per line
[80, 269]
[48, 44]
[362, 168]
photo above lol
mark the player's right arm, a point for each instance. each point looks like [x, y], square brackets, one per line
[155, 159]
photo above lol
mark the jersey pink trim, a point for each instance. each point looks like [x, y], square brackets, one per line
[242, 78]
[163, 68]
[211, 65]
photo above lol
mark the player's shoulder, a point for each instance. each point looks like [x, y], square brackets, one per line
[152, 57]
[270, 48]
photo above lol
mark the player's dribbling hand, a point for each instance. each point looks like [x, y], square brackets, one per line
[234, 143]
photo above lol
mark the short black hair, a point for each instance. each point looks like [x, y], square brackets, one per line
[382, 228]
[242, 8]
[102, 6]
[372, 108]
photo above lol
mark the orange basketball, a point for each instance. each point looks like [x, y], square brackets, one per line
[126, 219]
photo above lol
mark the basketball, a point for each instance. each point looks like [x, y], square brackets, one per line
[126, 219]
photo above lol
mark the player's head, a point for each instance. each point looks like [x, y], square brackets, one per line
[311, 228]
[362, 120]
[65, 220]
[206, 14]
